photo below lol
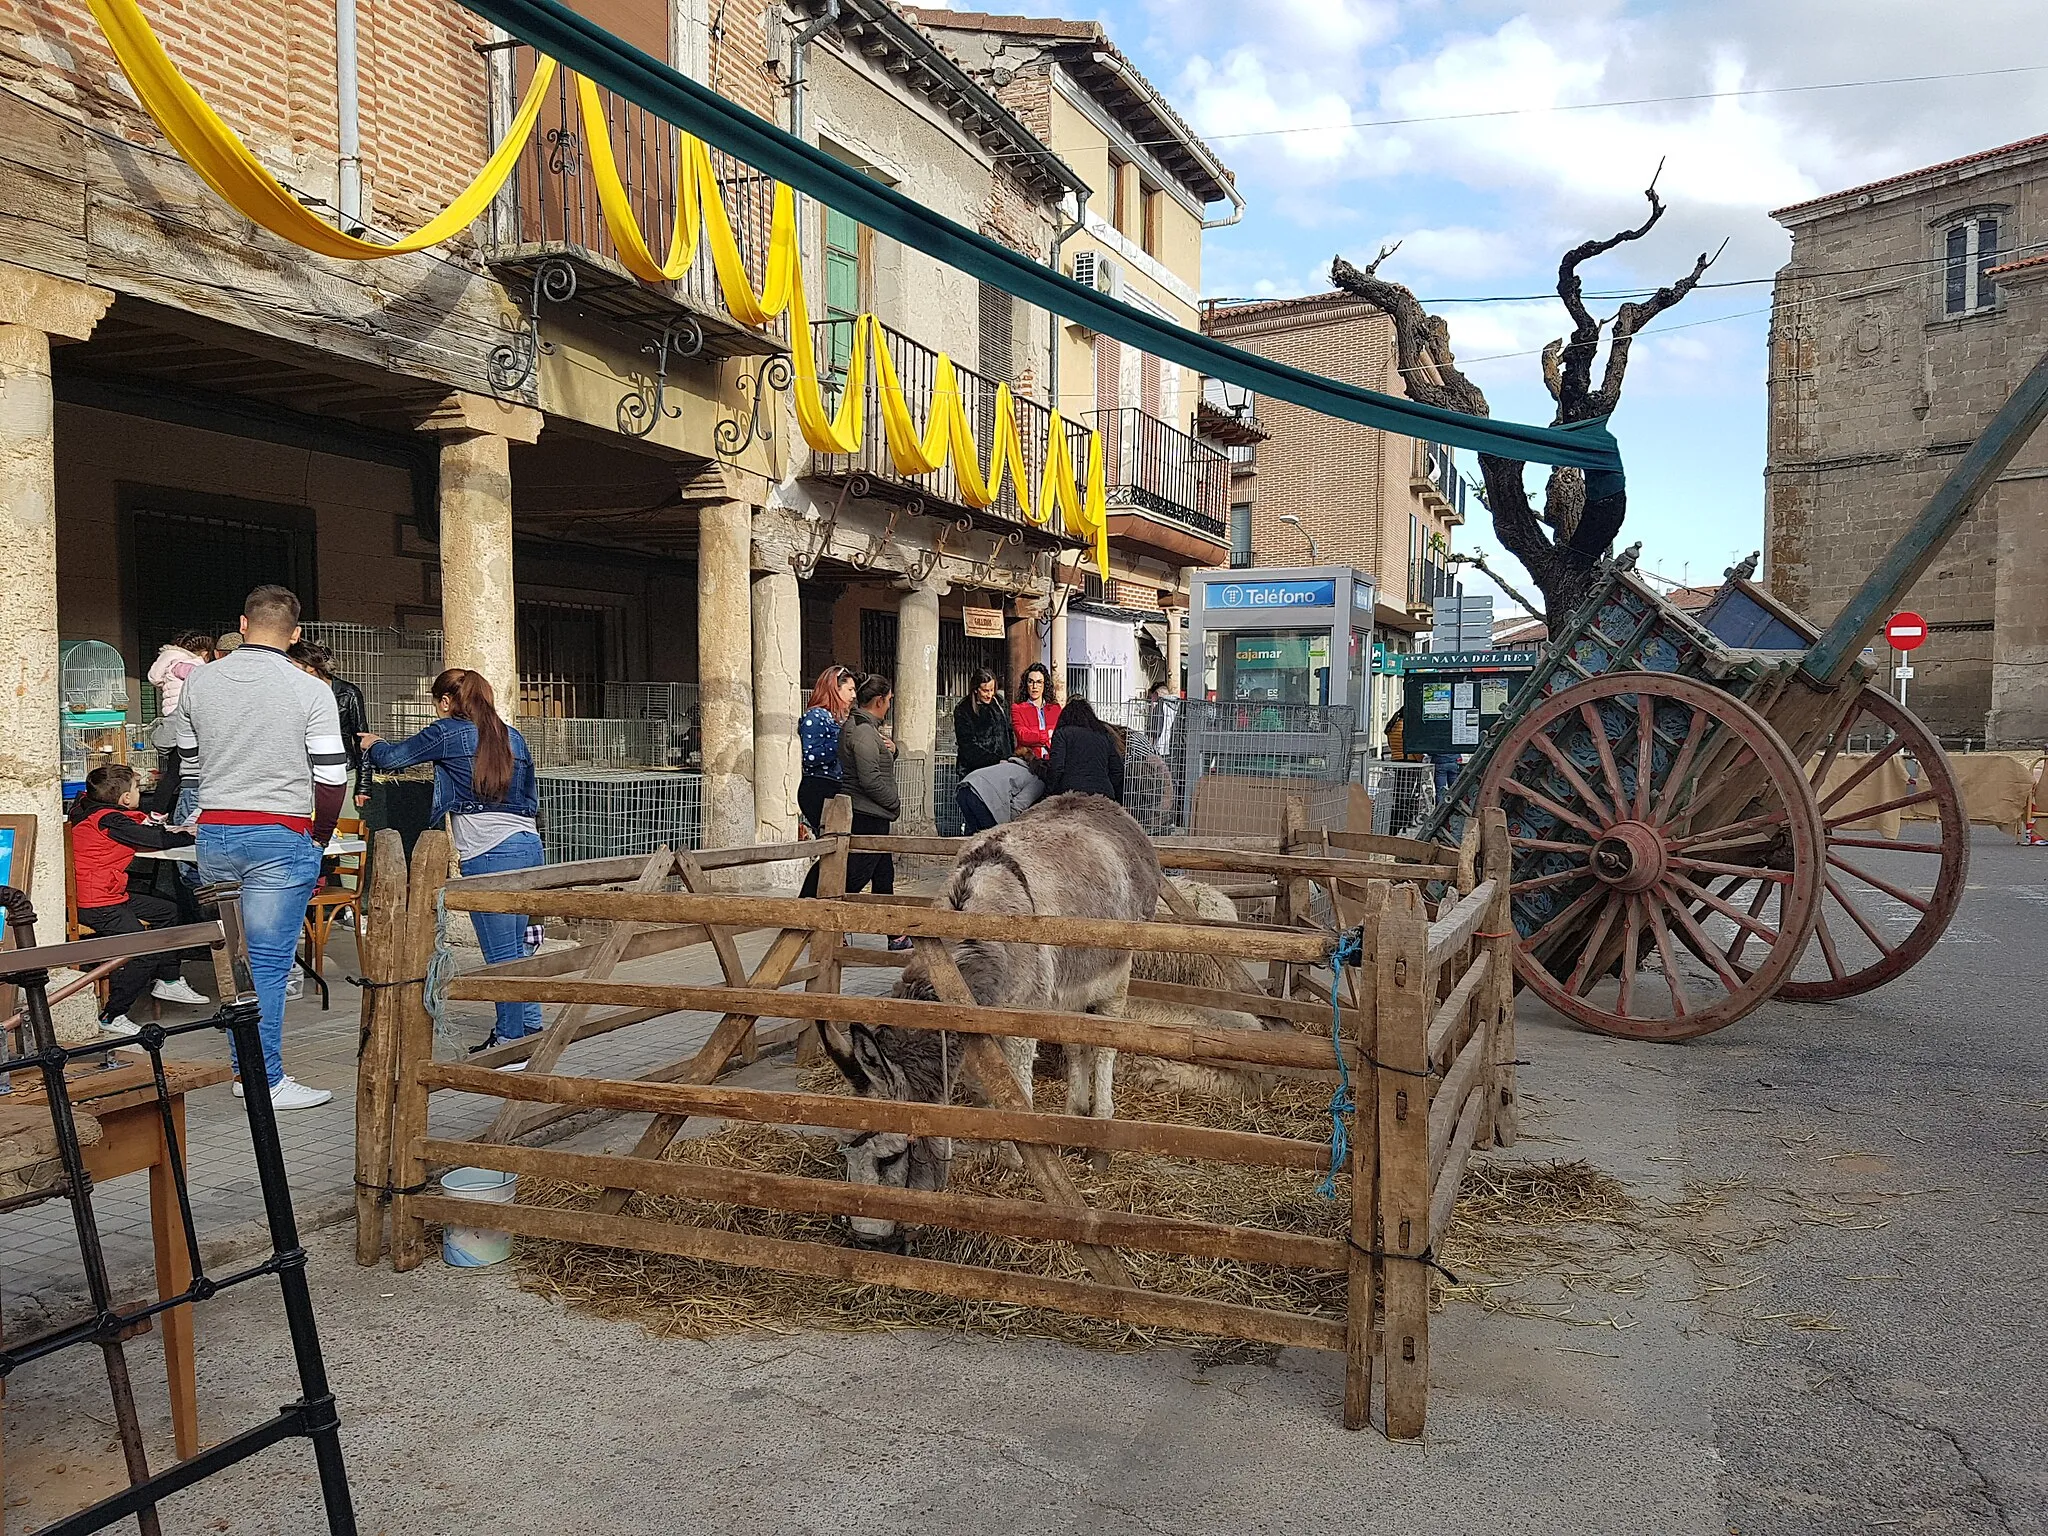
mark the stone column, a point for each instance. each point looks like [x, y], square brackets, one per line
[479, 612]
[917, 699]
[35, 312]
[1173, 661]
[778, 699]
[1058, 662]
[1024, 647]
[725, 669]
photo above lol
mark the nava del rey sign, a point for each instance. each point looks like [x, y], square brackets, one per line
[1267, 595]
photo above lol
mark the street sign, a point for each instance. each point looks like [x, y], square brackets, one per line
[1902, 672]
[1906, 631]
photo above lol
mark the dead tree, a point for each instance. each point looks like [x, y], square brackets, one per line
[1560, 545]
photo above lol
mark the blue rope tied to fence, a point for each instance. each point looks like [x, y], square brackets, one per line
[442, 966]
[1350, 951]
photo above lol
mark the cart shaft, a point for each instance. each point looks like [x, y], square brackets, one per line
[1829, 659]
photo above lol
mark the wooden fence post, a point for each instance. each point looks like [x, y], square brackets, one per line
[415, 1047]
[838, 825]
[1363, 1270]
[1291, 907]
[380, 944]
[1404, 1009]
[1500, 923]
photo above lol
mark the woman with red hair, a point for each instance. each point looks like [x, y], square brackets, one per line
[817, 733]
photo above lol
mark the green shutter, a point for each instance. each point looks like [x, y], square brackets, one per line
[842, 285]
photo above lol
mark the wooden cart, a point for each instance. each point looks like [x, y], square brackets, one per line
[1704, 806]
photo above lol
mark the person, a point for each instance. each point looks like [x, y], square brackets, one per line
[1445, 770]
[317, 660]
[1397, 727]
[1085, 758]
[261, 741]
[106, 833]
[982, 730]
[484, 785]
[230, 641]
[174, 663]
[867, 774]
[1035, 715]
[1001, 792]
[1162, 709]
[817, 734]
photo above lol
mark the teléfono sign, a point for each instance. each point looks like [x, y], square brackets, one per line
[1271, 594]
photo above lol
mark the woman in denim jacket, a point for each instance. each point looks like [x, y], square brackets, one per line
[483, 784]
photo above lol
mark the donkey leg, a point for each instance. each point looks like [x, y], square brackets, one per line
[1101, 1090]
[1020, 1055]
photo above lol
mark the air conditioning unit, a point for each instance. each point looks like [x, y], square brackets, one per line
[1094, 270]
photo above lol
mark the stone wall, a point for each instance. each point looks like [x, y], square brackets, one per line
[1876, 392]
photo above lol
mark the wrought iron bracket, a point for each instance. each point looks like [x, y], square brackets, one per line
[754, 421]
[513, 361]
[805, 564]
[863, 559]
[641, 410]
[921, 566]
[985, 570]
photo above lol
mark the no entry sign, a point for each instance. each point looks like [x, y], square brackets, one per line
[1906, 631]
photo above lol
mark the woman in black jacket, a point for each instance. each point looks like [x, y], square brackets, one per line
[1084, 758]
[982, 734]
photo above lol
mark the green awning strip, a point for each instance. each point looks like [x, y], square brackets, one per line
[584, 46]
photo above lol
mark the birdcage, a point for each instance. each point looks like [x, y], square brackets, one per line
[92, 680]
[598, 813]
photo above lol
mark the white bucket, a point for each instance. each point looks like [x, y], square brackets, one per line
[475, 1247]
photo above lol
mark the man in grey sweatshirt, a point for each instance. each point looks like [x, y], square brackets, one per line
[262, 742]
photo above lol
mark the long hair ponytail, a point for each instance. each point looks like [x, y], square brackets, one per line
[490, 775]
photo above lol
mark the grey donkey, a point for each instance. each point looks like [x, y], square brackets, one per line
[1069, 856]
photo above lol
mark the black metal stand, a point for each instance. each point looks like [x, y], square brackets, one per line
[312, 1416]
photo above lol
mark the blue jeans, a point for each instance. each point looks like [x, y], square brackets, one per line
[974, 814]
[278, 870]
[186, 813]
[503, 934]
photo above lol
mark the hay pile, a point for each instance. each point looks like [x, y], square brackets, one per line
[687, 1298]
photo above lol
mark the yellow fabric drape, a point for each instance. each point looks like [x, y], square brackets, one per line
[627, 237]
[225, 164]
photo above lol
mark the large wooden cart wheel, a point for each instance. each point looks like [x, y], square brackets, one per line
[1629, 798]
[1886, 900]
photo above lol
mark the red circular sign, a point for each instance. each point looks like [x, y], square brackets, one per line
[1906, 631]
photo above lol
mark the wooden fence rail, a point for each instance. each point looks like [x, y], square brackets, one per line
[1425, 1035]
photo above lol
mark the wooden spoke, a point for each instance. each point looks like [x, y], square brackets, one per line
[1547, 846]
[1543, 802]
[1877, 761]
[1583, 974]
[1601, 809]
[1710, 866]
[1545, 882]
[1705, 947]
[1646, 751]
[1849, 818]
[1856, 915]
[1897, 893]
[1895, 844]
[1596, 727]
[1631, 944]
[1667, 796]
[1746, 921]
[1680, 998]
[1828, 951]
[1563, 916]
[1827, 761]
[1731, 832]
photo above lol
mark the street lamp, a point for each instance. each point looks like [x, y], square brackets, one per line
[1295, 520]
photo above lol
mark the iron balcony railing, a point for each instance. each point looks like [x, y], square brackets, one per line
[917, 370]
[1243, 559]
[1437, 467]
[552, 204]
[1152, 464]
[1428, 580]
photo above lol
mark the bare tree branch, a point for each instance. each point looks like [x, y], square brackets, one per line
[1576, 376]
[1422, 343]
[1631, 318]
[1553, 380]
[1564, 501]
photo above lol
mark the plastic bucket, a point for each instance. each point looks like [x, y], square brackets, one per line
[475, 1247]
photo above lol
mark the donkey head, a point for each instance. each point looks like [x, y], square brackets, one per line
[889, 1064]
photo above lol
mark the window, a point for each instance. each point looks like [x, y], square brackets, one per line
[842, 287]
[998, 335]
[1123, 179]
[1241, 534]
[1154, 210]
[1969, 252]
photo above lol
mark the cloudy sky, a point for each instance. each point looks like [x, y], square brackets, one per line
[1483, 205]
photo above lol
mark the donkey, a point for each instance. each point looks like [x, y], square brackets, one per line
[1073, 855]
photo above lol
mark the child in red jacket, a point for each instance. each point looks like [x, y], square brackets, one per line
[106, 832]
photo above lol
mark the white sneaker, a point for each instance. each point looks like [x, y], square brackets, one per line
[295, 984]
[120, 1025]
[511, 1066]
[293, 1094]
[179, 991]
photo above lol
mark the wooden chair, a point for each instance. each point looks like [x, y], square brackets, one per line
[327, 905]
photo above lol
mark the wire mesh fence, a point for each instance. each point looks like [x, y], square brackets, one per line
[598, 813]
[1403, 794]
[614, 744]
[1205, 768]
[395, 668]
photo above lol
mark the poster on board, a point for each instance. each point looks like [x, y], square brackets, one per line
[1436, 701]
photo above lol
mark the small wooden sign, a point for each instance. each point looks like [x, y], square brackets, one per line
[982, 623]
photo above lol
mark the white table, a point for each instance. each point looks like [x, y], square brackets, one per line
[337, 848]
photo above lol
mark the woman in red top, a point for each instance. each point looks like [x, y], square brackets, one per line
[1035, 716]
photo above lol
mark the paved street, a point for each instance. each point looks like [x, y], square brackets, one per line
[1837, 1328]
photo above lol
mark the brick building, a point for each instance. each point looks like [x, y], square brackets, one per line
[1387, 505]
[1909, 311]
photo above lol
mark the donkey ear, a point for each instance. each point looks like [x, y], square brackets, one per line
[845, 1060]
[869, 1056]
